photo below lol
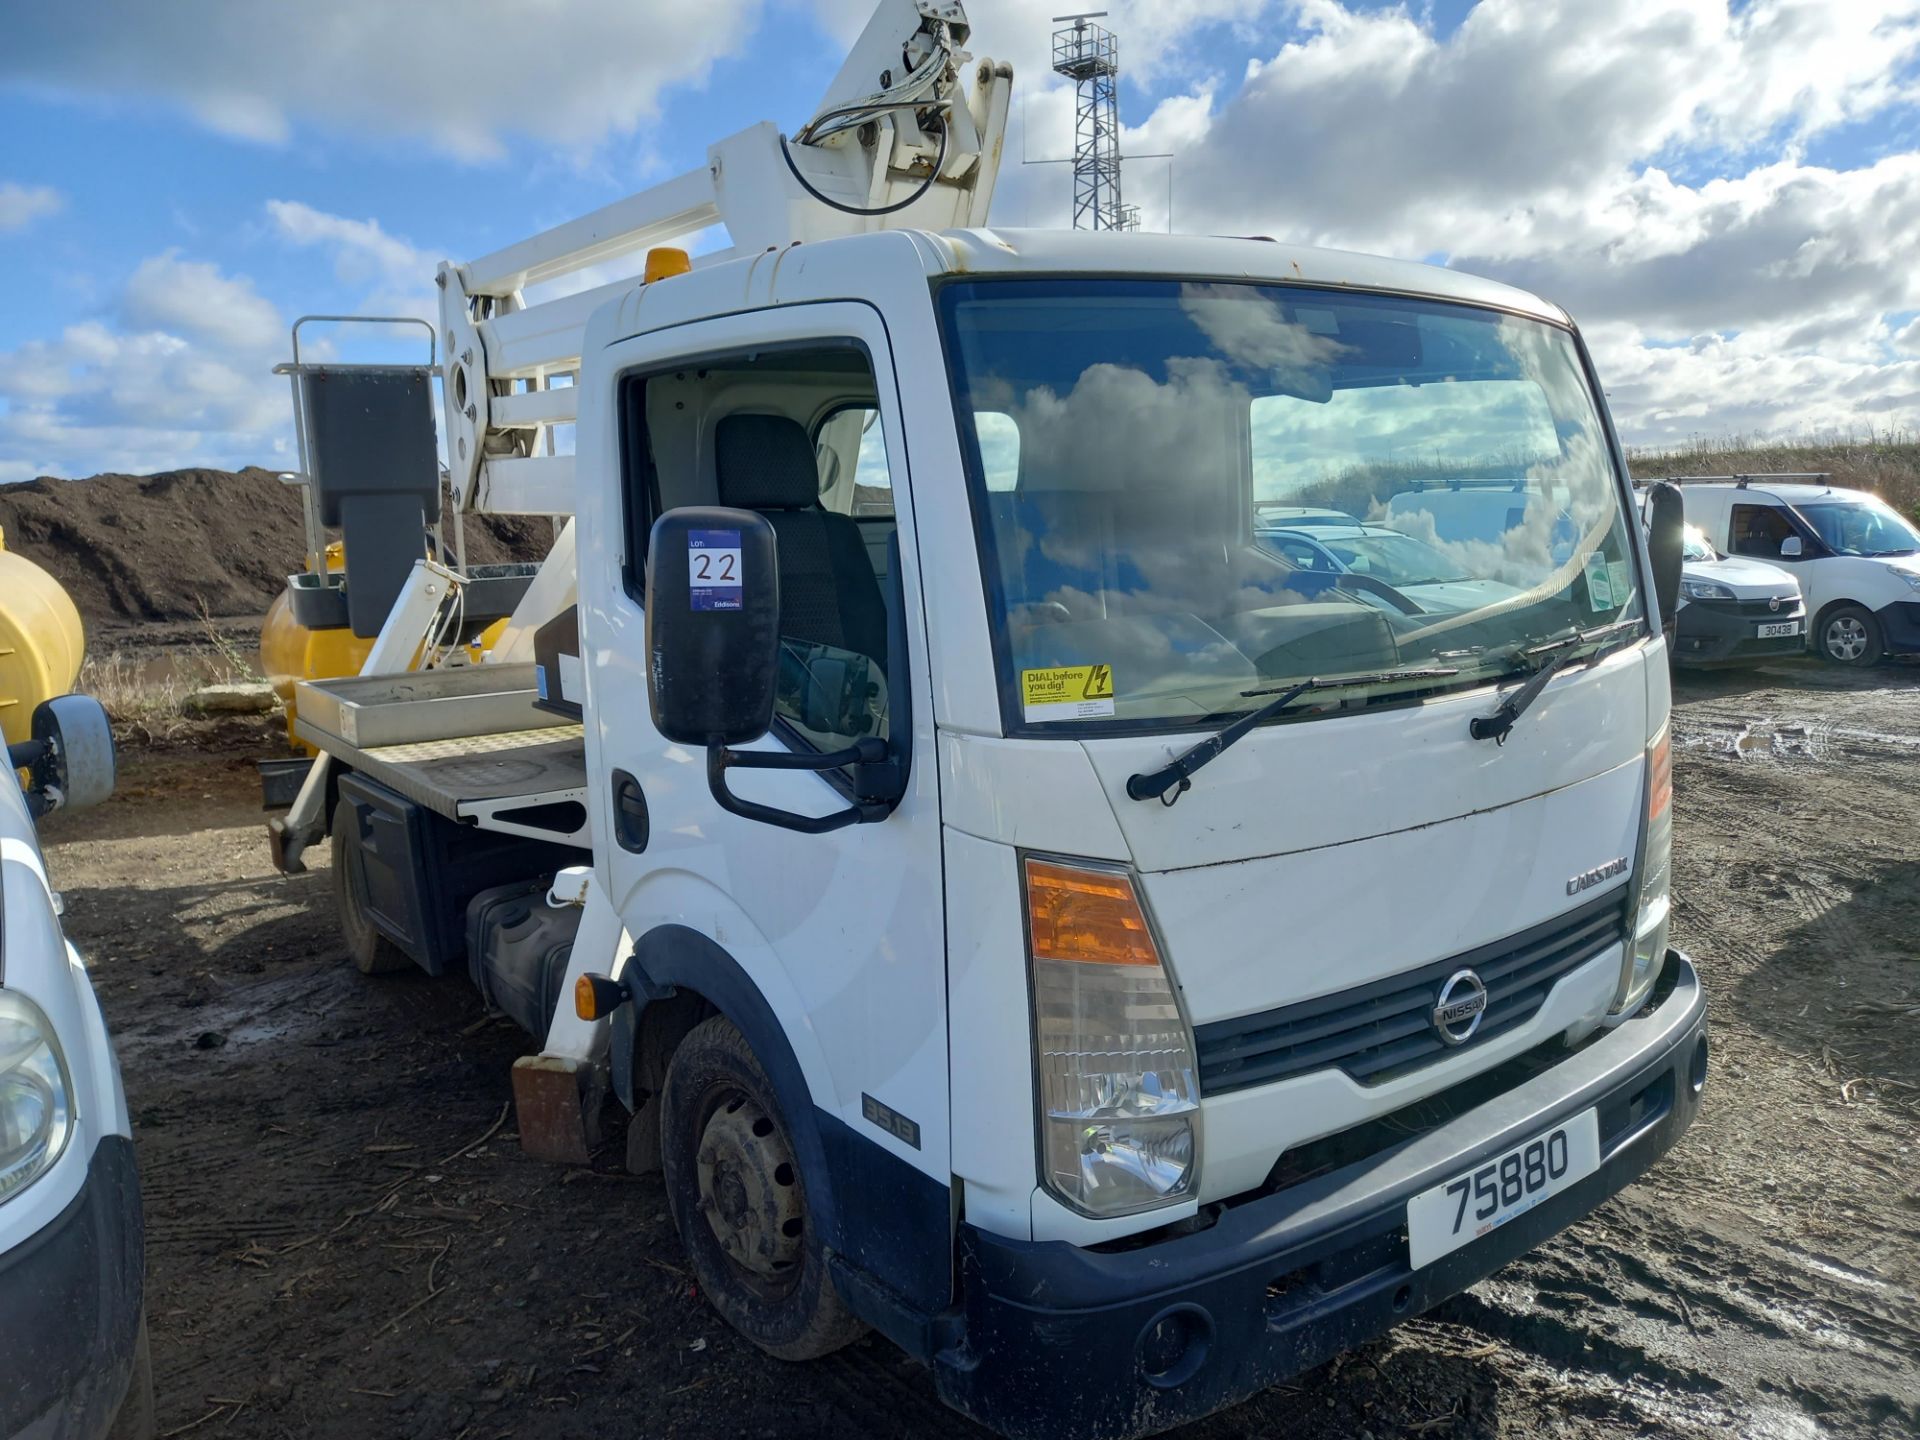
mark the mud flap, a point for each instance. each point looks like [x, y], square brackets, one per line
[556, 1101]
[643, 1138]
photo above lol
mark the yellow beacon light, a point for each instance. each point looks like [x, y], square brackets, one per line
[664, 262]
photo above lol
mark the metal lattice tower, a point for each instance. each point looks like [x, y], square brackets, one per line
[1089, 55]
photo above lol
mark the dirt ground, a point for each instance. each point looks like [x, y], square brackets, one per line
[344, 1239]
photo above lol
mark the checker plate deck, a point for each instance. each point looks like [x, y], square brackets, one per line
[539, 765]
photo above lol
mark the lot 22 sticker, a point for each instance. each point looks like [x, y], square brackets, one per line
[713, 569]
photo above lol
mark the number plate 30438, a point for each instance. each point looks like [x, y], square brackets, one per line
[1481, 1200]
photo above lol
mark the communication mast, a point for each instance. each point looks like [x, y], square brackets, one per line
[1089, 55]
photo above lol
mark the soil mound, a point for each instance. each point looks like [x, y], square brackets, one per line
[183, 543]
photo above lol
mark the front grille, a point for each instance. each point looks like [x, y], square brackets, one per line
[1383, 1027]
[1788, 608]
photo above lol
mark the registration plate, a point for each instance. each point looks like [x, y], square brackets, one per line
[1486, 1197]
[1775, 631]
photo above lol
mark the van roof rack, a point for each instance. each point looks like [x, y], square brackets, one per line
[1476, 482]
[1741, 482]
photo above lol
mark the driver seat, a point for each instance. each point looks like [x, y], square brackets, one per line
[828, 593]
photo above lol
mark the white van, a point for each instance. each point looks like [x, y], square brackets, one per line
[1857, 558]
[73, 1335]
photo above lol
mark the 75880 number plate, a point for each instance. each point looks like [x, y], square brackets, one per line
[1486, 1197]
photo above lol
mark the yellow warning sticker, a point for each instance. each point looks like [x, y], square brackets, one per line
[1067, 692]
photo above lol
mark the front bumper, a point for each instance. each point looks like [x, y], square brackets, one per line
[1058, 1339]
[1704, 635]
[70, 1304]
[1900, 627]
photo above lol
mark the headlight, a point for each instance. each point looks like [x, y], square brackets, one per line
[1119, 1090]
[1912, 577]
[36, 1109]
[1649, 946]
[1704, 590]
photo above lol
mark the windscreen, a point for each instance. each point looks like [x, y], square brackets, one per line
[1863, 526]
[1188, 493]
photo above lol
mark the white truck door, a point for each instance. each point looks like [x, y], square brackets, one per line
[841, 934]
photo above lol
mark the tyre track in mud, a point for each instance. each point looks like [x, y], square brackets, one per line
[1766, 1271]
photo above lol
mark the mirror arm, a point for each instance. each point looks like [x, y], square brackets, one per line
[864, 753]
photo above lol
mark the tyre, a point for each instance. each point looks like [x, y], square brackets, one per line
[739, 1199]
[372, 953]
[135, 1420]
[1848, 635]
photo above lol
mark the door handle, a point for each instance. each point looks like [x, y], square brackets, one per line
[631, 824]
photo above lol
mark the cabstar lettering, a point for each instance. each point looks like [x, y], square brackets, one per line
[1587, 879]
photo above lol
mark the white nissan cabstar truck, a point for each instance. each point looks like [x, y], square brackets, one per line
[1024, 914]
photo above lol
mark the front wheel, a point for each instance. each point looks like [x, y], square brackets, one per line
[1849, 635]
[739, 1199]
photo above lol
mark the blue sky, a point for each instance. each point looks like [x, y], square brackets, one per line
[1723, 194]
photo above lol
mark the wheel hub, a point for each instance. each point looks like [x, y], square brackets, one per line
[748, 1189]
[1846, 638]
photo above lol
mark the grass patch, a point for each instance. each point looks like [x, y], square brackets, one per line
[145, 691]
[1886, 462]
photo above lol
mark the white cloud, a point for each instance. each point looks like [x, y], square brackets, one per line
[362, 249]
[1646, 162]
[1751, 384]
[21, 205]
[98, 399]
[463, 74]
[395, 276]
[1642, 161]
[184, 380]
[192, 298]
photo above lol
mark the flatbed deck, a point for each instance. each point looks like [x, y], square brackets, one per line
[530, 779]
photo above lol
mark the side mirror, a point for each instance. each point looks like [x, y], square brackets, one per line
[713, 625]
[1791, 548]
[713, 662]
[68, 757]
[1666, 545]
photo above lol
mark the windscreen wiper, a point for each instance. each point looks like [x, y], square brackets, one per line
[1175, 776]
[1548, 661]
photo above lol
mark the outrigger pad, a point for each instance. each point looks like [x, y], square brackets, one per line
[556, 1106]
[375, 475]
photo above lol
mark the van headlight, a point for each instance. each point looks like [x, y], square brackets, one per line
[1704, 590]
[36, 1107]
[1119, 1090]
[1655, 907]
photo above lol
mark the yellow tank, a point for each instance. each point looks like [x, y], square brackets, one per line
[41, 642]
[290, 652]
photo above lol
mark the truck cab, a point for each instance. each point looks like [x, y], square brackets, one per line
[1856, 558]
[1121, 965]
